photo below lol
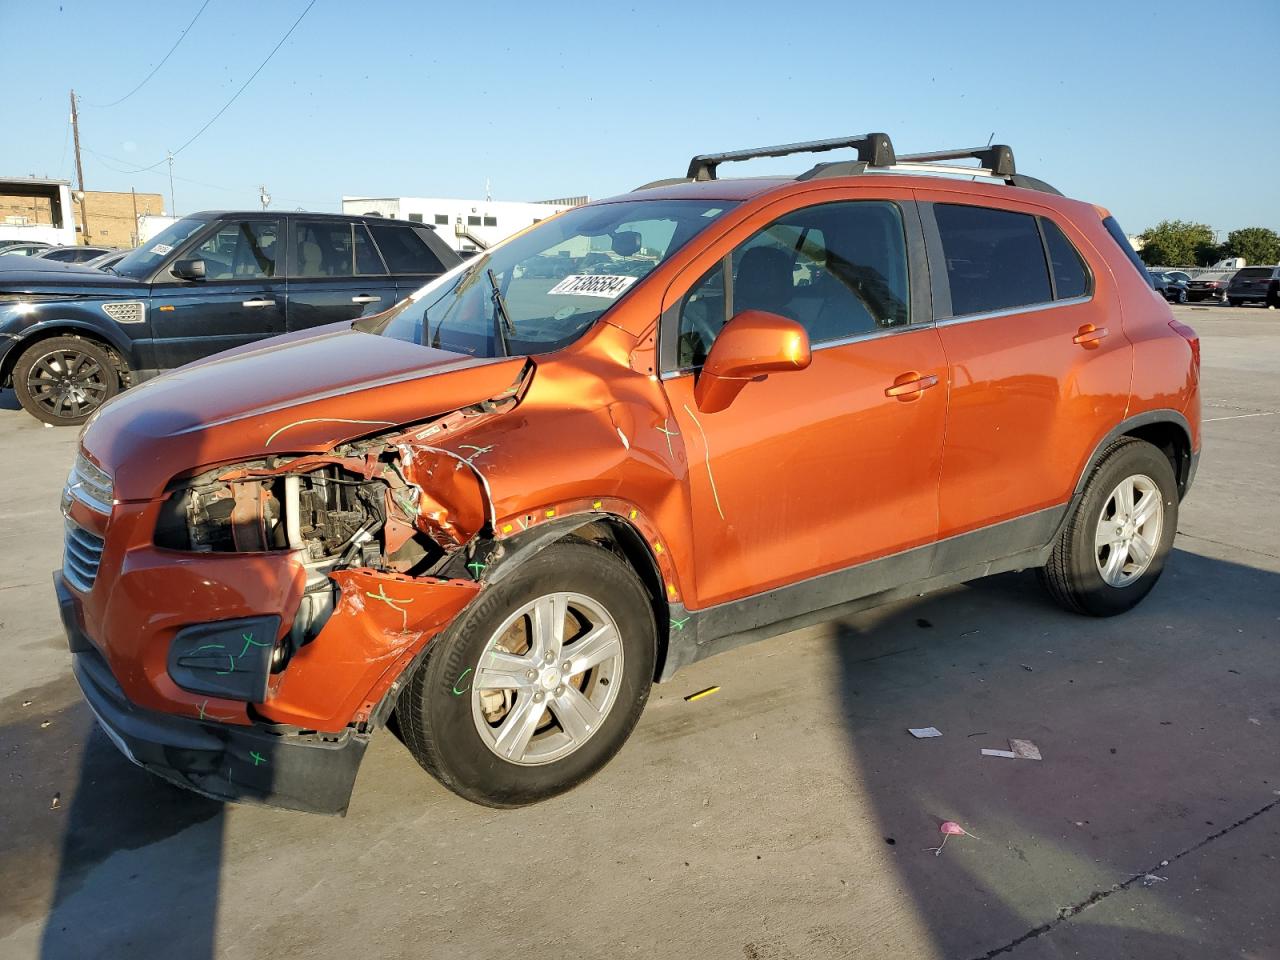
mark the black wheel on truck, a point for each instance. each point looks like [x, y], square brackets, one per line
[62, 380]
[536, 687]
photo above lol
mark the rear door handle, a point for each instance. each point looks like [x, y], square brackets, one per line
[1090, 336]
[366, 298]
[909, 386]
[258, 303]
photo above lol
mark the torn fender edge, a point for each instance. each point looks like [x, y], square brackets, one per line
[382, 621]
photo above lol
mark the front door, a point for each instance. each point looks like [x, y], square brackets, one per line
[240, 299]
[814, 470]
[1039, 363]
[335, 274]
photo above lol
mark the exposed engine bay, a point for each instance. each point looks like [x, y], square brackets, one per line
[394, 503]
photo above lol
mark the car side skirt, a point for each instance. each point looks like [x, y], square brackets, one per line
[1011, 545]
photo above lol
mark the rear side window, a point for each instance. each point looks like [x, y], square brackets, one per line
[405, 251]
[995, 260]
[1070, 275]
[1126, 248]
[328, 248]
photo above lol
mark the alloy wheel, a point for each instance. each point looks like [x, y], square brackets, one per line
[68, 383]
[547, 679]
[1128, 531]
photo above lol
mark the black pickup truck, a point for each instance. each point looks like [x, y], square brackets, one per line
[71, 337]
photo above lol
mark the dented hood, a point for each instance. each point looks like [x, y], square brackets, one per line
[294, 394]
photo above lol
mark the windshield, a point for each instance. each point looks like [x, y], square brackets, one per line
[555, 280]
[141, 262]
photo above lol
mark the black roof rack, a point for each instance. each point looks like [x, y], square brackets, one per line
[875, 149]
[875, 153]
[998, 158]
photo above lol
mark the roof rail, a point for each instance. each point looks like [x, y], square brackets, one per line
[875, 149]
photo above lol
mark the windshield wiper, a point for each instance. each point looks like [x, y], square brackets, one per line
[502, 324]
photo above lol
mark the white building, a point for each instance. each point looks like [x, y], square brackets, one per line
[462, 222]
[55, 224]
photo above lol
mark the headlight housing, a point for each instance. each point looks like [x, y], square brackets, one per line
[89, 484]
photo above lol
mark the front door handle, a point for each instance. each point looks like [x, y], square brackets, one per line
[1090, 336]
[258, 303]
[909, 386]
[366, 298]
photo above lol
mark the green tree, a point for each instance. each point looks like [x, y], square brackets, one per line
[1177, 243]
[1257, 245]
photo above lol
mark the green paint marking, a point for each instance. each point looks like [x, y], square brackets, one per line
[679, 624]
[207, 646]
[231, 669]
[477, 568]
[250, 642]
[463, 676]
[256, 757]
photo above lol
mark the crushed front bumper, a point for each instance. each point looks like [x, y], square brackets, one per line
[246, 763]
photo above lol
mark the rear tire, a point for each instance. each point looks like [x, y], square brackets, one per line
[1112, 549]
[63, 380]
[574, 721]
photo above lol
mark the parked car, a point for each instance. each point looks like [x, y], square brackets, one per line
[24, 249]
[105, 260]
[76, 254]
[507, 506]
[1173, 290]
[1208, 288]
[72, 339]
[1255, 285]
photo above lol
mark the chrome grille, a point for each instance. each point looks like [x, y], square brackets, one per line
[126, 311]
[81, 554]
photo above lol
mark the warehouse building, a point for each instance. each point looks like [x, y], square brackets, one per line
[32, 208]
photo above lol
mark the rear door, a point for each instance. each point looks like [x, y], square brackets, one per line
[413, 254]
[816, 470]
[1038, 363]
[240, 299]
[335, 273]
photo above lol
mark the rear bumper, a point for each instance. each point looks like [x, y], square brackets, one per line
[245, 763]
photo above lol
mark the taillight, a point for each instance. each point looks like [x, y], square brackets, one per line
[1188, 334]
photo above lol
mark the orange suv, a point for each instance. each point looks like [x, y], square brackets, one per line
[505, 507]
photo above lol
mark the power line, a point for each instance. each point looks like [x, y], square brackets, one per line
[103, 106]
[234, 96]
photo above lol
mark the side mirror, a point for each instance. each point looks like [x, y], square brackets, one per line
[751, 346]
[188, 269]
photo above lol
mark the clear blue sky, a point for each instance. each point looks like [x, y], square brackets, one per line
[1154, 110]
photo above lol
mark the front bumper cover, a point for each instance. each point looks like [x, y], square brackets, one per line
[254, 764]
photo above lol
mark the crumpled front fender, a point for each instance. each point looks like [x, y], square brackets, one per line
[381, 622]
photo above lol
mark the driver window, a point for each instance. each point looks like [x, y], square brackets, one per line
[838, 269]
[240, 250]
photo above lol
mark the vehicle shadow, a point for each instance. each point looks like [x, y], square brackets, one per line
[1141, 720]
[119, 863]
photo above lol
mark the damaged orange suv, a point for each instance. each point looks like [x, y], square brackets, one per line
[643, 431]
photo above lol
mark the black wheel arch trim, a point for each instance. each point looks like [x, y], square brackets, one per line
[1127, 426]
[502, 558]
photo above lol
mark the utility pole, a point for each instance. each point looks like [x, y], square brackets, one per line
[75, 133]
[173, 212]
[263, 196]
[136, 229]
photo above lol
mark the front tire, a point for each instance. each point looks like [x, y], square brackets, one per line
[63, 380]
[536, 687]
[1112, 549]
